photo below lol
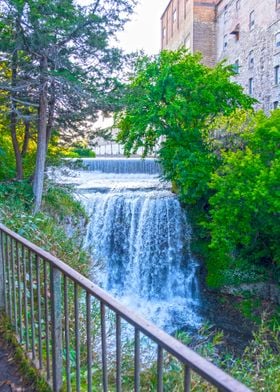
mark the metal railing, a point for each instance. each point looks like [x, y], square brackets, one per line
[81, 338]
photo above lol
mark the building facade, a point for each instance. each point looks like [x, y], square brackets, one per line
[187, 23]
[245, 33]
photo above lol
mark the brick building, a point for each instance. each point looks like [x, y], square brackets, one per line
[187, 23]
[244, 32]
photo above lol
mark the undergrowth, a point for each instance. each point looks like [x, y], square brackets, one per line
[46, 228]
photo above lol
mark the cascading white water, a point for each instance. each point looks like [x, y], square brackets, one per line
[122, 165]
[139, 238]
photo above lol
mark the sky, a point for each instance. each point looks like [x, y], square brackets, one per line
[143, 31]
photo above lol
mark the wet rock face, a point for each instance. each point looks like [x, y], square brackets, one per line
[222, 312]
[263, 290]
[75, 229]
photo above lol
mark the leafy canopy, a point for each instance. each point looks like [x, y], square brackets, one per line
[172, 100]
[245, 207]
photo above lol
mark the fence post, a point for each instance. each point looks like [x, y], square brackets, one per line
[2, 279]
[56, 300]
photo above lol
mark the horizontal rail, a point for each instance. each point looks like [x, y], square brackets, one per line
[185, 355]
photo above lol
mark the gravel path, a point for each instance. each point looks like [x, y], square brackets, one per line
[10, 378]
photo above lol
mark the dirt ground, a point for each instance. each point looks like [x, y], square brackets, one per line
[10, 378]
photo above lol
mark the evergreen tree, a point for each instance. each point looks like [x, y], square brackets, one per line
[69, 69]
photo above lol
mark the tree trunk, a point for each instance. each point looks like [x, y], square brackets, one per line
[26, 138]
[38, 182]
[13, 118]
[51, 112]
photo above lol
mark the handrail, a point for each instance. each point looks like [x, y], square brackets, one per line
[190, 359]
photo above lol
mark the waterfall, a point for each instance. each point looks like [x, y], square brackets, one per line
[139, 237]
[122, 165]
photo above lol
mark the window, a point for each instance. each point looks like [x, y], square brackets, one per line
[236, 67]
[277, 75]
[277, 40]
[225, 41]
[164, 33]
[237, 5]
[275, 104]
[251, 59]
[277, 4]
[251, 86]
[174, 16]
[252, 20]
[236, 32]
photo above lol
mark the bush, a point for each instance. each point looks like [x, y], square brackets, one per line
[245, 220]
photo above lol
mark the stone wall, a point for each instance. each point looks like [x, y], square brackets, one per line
[254, 48]
[177, 25]
[221, 30]
[266, 291]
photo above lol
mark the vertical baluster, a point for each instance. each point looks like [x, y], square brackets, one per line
[32, 305]
[104, 347]
[136, 360]
[89, 349]
[187, 379]
[56, 299]
[3, 302]
[160, 370]
[66, 322]
[5, 273]
[39, 311]
[15, 320]
[19, 291]
[118, 353]
[8, 264]
[77, 337]
[46, 302]
[26, 324]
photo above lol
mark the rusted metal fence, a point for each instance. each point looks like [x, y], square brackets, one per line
[81, 338]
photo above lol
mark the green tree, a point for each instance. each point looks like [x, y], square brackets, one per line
[172, 100]
[245, 207]
[69, 69]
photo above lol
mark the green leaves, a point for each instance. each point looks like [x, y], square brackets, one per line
[173, 96]
[80, 75]
[219, 155]
[245, 207]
